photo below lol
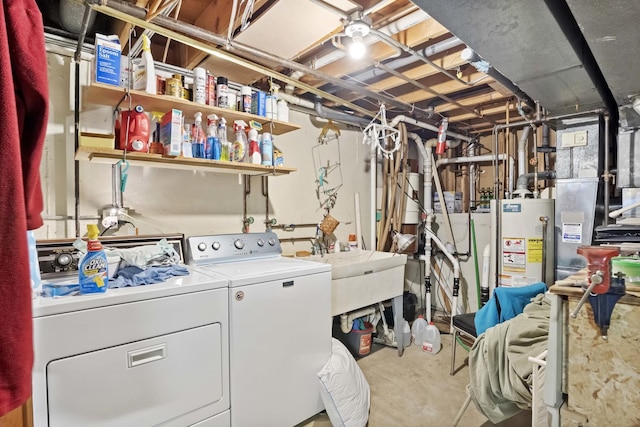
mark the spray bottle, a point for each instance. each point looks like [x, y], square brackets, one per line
[254, 148]
[240, 144]
[198, 138]
[145, 74]
[93, 270]
[212, 147]
[222, 136]
[266, 149]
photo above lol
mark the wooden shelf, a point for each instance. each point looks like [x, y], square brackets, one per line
[98, 93]
[111, 156]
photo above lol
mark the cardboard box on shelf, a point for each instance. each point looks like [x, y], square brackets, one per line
[107, 59]
[171, 132]
[96, 140]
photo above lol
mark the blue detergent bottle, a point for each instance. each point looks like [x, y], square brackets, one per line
[93, 269]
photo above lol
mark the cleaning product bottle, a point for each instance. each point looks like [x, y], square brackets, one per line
[240, 144]
[418, 330]
[187, 146]
[198, 138]
[145, 72]
[431, 341]
[212, 147]
[254, 148]
[266, 149]
[93, 269]
[225, 149]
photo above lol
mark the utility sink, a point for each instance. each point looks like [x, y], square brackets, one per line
[362, 278]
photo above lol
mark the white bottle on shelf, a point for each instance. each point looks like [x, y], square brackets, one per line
[283, 111]
[145, 73]
[199, 85]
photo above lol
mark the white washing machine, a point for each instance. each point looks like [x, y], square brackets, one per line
[279, 323]
[153, 355]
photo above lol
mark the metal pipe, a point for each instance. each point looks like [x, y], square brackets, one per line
[535, 168]
[415, 122]
[232, 19]
[470, 159]
[376, 7]
[391, 29]
[525, 178]
[548, 119]
[337, 116]
[606, 174]
[401, 62]
[573, 33]
[545, 144]
[169, 27]
[545, 222]
[522, 150]
[394, 43]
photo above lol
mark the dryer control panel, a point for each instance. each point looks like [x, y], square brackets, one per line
[232, 247]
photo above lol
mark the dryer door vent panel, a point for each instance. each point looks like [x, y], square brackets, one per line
[142, 383]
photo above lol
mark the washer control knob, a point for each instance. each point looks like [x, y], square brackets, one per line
[272, 241]
[239, 244]
[64, 260]
[260, 242]
[215, 246]
[202, 246]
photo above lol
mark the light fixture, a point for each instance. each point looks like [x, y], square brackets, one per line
[357, 29]
[402, 241]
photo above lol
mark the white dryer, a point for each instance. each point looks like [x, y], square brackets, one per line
[279, 323]
[154, 355]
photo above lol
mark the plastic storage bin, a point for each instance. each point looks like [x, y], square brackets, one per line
[357, 341]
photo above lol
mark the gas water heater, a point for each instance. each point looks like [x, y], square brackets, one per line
[524, 240]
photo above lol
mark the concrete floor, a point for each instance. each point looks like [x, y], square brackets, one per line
[416, 390]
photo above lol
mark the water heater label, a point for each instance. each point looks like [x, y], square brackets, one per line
[534, 250]
[571, 232]
[512, 207]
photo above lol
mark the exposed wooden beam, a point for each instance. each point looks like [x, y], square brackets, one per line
[446, 87]
[122, 28]
[379, 51]
[214, 18]
[472, 101]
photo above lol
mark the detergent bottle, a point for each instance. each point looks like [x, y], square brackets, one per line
[225, 151]
[145, 73]
[93, 269]
[212, 147]
[240, 144]
[198, 138]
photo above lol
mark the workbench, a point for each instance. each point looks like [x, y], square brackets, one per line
[600, 377]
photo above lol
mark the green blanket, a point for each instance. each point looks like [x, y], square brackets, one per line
[501, 374]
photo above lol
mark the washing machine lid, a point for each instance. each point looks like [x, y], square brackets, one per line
[196, 281]
[241, 273]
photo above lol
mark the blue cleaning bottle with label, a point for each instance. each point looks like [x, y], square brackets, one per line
[198, 138]
[93, 270]
[212, 148]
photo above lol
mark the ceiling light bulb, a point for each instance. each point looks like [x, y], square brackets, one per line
[357, 49]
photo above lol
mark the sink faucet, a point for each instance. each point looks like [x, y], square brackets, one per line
[318, 248]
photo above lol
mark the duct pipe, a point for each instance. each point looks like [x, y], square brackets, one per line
[470, 159]
[401, 24]
[397, 45]
[339, 116]
[522, 185]
[402, 62]
[522, 151]
[512, 168]
[546, 130]
[574, 35]
[606, 175]
[346, 319]
[373, 208]
[171, 28]
[412, 121]
[483, 66]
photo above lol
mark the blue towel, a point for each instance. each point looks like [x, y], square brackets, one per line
[134, 276]
[506, 303]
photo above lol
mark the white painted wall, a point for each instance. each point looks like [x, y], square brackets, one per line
[192, 203]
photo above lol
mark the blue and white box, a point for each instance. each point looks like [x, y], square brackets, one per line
[107, 59]
[259, 103]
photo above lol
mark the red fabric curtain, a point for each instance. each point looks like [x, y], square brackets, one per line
[23, 121]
